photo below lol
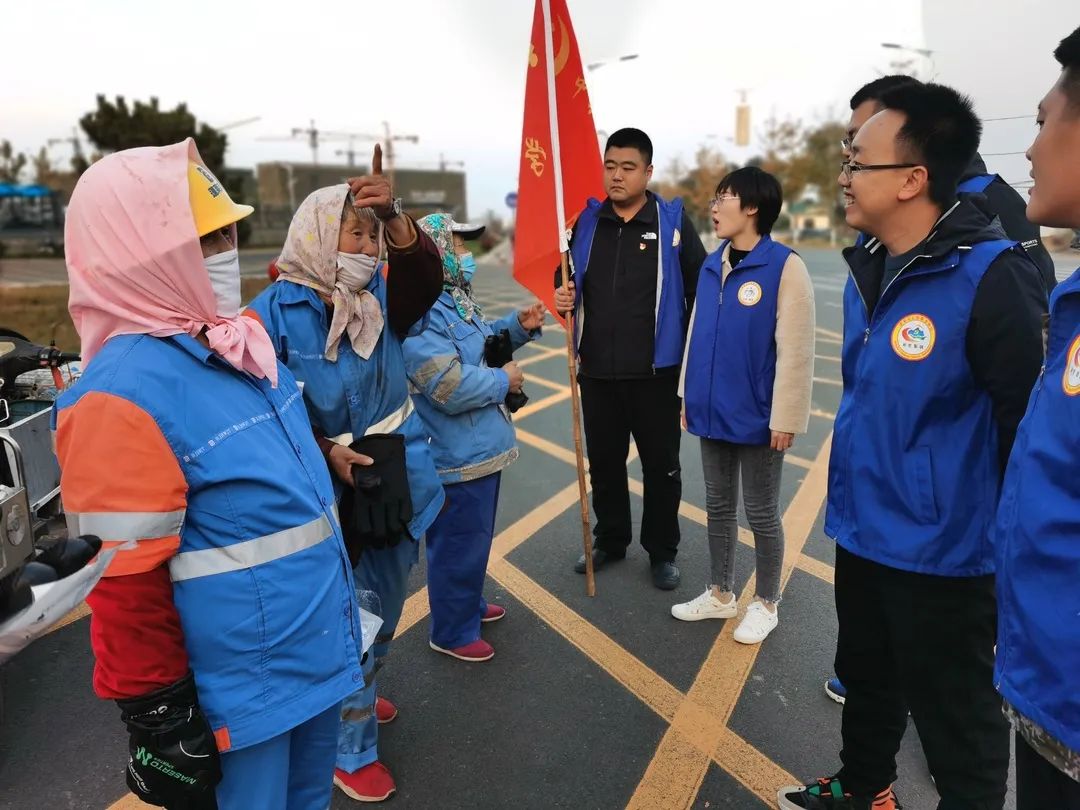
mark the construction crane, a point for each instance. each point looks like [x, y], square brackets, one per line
[444, 163]
[387, 138]
[315, 135]
[74, 140]
[312, 133]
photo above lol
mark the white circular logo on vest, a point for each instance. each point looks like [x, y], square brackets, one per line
[749, 293]
[1070, 380]
[913, 337]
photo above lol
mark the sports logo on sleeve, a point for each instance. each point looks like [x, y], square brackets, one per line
[913, 337]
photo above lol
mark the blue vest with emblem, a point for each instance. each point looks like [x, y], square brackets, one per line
[670, 319]
[731, 357]
[261, 580]
[1037, 539]
[914, 471]
[352, 394]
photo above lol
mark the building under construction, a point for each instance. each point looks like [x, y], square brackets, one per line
[282, 186]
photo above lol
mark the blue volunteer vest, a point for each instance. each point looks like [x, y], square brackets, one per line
[670, 319]
[731, 359]
[1037, 539]
[914, 470]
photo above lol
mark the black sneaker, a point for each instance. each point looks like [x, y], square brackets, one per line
[828, 794]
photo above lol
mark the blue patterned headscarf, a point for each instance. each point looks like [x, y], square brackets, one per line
[437, 226]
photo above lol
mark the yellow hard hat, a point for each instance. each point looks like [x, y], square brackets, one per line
[211, 204]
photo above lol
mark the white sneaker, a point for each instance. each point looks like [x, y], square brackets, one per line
[758, 622]
[705, 606]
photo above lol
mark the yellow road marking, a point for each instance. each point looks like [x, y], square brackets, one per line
[639, 679]
[675, 773]
[822, 414]
[542, 404]
[798, 461]
[545, 383]
[80, 612]
[817, 568]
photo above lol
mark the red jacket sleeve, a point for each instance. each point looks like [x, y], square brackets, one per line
[121, 481]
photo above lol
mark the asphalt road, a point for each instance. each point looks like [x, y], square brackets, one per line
[589, 703]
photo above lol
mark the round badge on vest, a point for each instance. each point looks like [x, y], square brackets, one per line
[913, 337]
[1070, 380]
[749, 293]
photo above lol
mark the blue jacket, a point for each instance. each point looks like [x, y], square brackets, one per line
[226, 485]
[731, 352]
[914, 471]
[352, 395]
[459, 397]
[1037, 540]
[671, 315]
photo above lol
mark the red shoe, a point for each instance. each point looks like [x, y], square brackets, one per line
[493, 614]
[478, 651]
[372, 783]
[385, 711]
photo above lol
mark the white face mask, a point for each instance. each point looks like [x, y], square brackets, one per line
[355, 270]
[224, 270]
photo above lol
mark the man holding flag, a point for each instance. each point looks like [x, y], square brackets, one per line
[635, 261]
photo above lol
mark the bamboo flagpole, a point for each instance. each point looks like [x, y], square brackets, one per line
[571, 350]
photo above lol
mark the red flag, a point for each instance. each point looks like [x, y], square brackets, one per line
[560, 158]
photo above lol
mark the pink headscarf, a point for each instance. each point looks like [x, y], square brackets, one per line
[310, 258]
[135, 264]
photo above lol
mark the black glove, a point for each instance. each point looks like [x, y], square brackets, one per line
[174, 760]
[498, 351]
[376, 512]
[54, 559]
[66, 555]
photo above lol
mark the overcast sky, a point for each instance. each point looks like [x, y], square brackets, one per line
[452, 71]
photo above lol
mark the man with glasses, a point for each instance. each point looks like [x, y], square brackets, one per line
[942, 343]
[998, 199]
[1001, 199]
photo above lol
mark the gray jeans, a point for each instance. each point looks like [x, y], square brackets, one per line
[760, 468]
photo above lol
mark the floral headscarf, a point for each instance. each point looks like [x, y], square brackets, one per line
[437, 226]
[310, 258]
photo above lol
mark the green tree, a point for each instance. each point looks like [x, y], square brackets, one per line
[11, 163]
[116, 125]
[695, 184]
[782, 141]
[819, 162]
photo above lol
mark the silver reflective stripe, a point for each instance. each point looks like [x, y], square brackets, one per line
[126, 525]
[249, 553]
[388, 425]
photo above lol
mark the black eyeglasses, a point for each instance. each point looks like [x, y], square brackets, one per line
[847, 168]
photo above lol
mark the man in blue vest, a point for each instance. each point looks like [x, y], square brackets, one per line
[1038, 556]
[1000, 200]
[635, 259]
[942, 342]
